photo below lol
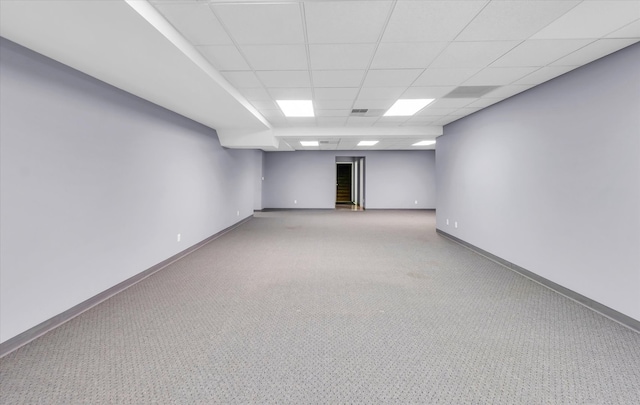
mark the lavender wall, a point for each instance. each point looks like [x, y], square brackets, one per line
[96, 184]
[550, 180]
[394, 179]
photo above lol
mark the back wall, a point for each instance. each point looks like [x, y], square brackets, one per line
[393, 179]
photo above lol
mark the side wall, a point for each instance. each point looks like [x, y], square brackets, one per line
[393, 179]
[550, 180]
[96, 184]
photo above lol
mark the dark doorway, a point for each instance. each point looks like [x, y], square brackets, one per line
[350, 179]
[344, 183]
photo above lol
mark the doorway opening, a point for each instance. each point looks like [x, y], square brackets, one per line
[350, 183]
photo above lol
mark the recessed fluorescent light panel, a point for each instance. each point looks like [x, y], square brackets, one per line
[424, 143]
[296, 108]
[367, 143]
[309, 143]
[407, 107]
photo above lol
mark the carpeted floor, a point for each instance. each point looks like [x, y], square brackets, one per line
[329, 307]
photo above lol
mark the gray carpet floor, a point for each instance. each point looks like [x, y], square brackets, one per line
[331, 307]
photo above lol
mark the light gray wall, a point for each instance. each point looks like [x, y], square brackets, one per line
[394, 179]
[96, 184]
[550, 180]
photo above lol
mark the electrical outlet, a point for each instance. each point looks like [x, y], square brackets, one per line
[416, 202]
[447, 221]
[295, 201]
[178, 237]
[238, 213]
[455, 224]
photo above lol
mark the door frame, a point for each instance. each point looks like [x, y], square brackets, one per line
[358, 178]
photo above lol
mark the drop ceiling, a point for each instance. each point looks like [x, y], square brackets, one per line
[225, 63]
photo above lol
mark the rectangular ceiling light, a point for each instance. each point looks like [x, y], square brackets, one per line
[296, 108]
[367, 143]
[407, 107]
[309, 143]
[424, 143]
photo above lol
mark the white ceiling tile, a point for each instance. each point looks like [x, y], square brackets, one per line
[362, 121]
[421, 21]
[374, 104]
[301, 121]
[421, 119]
[448, 119]
[242, 80]
[335, 22]
[508, 91]
[392, 119]
[264, 104]
[391, 78]
[381, 123]
[333, 113]
[427, 92]
[285, 78]
[472, 54]
[406, 55]
[539, 52]
[262, 23]
[430, 110]
[291, 93]
[271, 114]
[377, 93]
[349, 143]
[591, 19]
[333, 104]
[278, 121]
[341, 56]
[445, 77]
[174, 1]
[196, 22]
[257, 93]
[331, 93]
[543, 74]
[276, 57]
[593, 51]
[496, 76]
[628, 31]
[466, 111]
[484, 102]
[224, 57]
[451, 102]
[331, 121]
[501, 20]
[337, 78]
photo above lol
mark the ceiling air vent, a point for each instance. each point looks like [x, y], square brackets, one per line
[470, 91]
[366, 112]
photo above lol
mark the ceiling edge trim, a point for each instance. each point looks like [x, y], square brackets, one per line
[157, 20]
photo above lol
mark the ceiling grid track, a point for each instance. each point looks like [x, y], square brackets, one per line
[308, 54]
[236, 45]
[373, 55]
